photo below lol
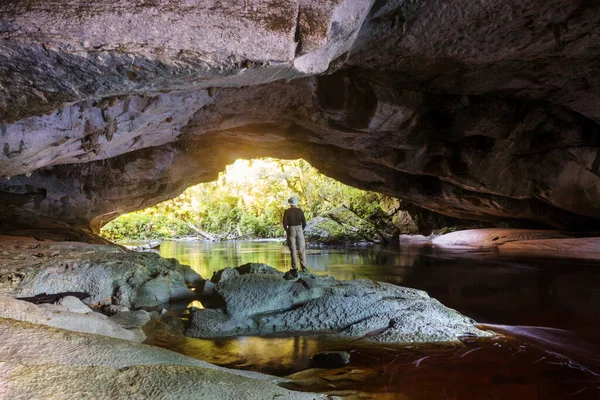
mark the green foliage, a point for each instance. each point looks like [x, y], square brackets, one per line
[247, 200]
[145, 225]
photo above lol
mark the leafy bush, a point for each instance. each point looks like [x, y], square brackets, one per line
[248, 199]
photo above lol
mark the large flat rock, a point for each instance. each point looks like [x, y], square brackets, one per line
[523, 242]
[259, 304]
[583, 248]
[493, 237]
[36, 361]
[61, 317]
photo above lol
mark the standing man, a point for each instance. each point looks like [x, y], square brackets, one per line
[294, 223]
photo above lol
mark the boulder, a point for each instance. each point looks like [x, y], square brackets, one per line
[161, 290]
[268, 303]
[205, 288]
[73, 304]
[342, 226]
[330, 359]
[324, 230]
[224, 274]
[111, 275]
[257, 268]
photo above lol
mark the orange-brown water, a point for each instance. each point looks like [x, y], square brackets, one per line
[548, 310]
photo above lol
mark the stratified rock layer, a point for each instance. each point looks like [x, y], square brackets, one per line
[523, 242]
[477, 110]
[61, 317]
[263, 303]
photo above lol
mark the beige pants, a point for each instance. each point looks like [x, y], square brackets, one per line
[296, 244]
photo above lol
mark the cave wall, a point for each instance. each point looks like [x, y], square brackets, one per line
[476, 110]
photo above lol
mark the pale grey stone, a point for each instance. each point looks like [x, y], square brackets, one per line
[60, 317]
[131, 319]
[110, 275]
[72, 364]
[124, 118]
[267, 303]
[73, 304]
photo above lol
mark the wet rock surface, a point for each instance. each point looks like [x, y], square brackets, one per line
[485, 111]
[36, 359]
[259, 304]
[494, 237]
[343, 226]
[109, 274]
[524, 242]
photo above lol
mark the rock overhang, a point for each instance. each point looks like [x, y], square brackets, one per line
[410, 100]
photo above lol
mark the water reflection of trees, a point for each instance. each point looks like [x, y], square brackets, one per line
[555, 293]
[278, 356]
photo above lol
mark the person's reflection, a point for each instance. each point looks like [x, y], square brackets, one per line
[300, 353]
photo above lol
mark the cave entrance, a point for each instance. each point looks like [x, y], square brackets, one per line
[247, 201]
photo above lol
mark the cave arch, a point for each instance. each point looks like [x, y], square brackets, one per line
[469, 117]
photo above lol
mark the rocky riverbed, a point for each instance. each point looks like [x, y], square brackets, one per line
[57, 345]
[68, 348]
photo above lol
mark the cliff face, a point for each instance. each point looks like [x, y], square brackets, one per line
[478, 110]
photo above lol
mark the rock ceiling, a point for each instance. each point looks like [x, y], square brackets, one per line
[485, 110]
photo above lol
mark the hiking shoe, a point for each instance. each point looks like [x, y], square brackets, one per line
[291, 274]
[304, 268]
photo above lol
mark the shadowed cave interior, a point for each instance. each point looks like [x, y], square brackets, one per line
[482, 114]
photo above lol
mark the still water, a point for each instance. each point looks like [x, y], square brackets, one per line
[548, 309]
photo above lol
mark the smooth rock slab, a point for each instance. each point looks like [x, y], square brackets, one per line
[136, 382]
[131, 319]
[583, 247]
[60, 317]
[73, 304]
[266, 303]
[32, 344]
[38, 362]
[493, 237]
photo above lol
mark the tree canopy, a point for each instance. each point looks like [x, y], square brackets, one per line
[246, 201]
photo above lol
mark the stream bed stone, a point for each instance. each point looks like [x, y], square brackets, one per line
[109, 274]
[266, 303]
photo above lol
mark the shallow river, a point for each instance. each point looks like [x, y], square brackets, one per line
[549, 310]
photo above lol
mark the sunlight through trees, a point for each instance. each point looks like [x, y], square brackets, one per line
[246, 201]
